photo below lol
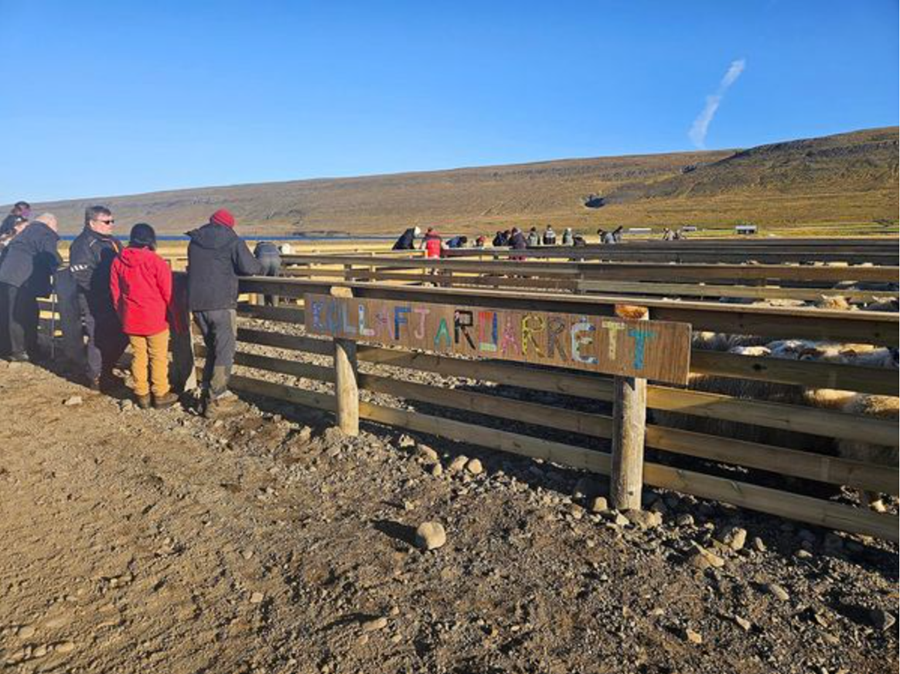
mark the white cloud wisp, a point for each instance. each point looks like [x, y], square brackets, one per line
[701, 124]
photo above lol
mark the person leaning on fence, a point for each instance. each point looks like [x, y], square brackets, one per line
[140, 283]
[407, 240]
[568, 238]
[216, 257]
[90, 258]
[549, 236]
[269, 259]
[25, 274]
[534, 239]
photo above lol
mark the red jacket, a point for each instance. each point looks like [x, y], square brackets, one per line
[432, 244]
[141, 285]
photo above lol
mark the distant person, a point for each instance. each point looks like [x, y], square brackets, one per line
[432, 244]
[549, 236]
[21, 211]
[534, 239]
[517, 241]
[481, 241]
[216, 257]
[668, 235]
[25, 274]
[266, 253]
[501, 239]
[568, 238]
[617, 234]
[90, 258]
[457, 242]
[679, 234]
[606, 238]
[286, 249]
[407, 240]
[140, 283]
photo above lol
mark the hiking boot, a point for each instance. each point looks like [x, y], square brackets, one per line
[165, 400]
[143, 401]
[19, 358]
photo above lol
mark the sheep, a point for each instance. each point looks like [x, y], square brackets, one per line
[834, 303]
[758, 350]
[719, 341]
[880, 407]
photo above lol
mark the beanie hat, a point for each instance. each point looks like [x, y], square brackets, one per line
[142, 236]
[222, 217]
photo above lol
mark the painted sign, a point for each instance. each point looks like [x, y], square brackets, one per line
[658, 350]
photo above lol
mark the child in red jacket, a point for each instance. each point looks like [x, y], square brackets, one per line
[141, 286]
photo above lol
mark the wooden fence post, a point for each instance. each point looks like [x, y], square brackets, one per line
[346, 386]
[629, 426]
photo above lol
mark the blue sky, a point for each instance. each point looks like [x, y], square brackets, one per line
[108, 98]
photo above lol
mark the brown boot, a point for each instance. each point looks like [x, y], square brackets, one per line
[143, 401]
[165, 400]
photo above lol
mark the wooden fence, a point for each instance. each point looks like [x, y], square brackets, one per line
[866, 327]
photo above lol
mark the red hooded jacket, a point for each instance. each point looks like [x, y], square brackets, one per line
[141, 285]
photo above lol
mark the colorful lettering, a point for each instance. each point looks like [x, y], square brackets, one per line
[317, 315]
[461, 327]
[509, 343]
[363, 330]
[613, 328]
[529, 332]
[555, 327]
[422, 312]
[582, 336]
[640, 340]
[443, 331]
[399, 319]
[485, 318]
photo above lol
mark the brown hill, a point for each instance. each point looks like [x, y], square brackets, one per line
[845, 178]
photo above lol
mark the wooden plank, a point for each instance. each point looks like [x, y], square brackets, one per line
[790, 462]
[620, 346]
[291, 342]
[283, 314]
[345, 385]
[763, 499]
[717, 291]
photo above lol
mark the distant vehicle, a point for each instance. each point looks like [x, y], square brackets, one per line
[745, 229]
[639, 230]
[688, 228]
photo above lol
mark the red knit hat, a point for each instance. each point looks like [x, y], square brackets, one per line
[222, 217]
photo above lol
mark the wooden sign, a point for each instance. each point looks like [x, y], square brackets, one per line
[658, 350]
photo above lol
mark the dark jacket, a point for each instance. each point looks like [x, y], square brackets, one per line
[31, 259]
[266, 249]
[90, 258]
[9, 222]
[216, 257]
[518, 242]
[407, 240]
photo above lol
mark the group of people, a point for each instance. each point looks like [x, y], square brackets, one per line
[125, 295]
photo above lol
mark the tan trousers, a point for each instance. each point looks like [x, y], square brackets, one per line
[151, 362]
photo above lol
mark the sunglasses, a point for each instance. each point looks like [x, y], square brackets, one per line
[107, 222]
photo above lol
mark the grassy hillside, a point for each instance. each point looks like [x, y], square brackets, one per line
[848, 181]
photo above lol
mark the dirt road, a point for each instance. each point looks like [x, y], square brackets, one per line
[159, 542]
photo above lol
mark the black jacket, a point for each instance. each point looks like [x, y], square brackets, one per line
[31, 259]
[518, 242]
[8, 223]
[407, 240]
[216, 257]
[90, 258]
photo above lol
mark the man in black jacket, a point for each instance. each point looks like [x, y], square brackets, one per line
[28, 265]
[407, 240]
[90, 257]
[270, 265]
[216, 257]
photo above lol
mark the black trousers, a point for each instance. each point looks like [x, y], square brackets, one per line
[20, 320]
[271, 266]
[219, 330]
[105, 340]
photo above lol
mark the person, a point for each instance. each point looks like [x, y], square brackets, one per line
[286, 249]
[549, 236]
[90, 258]
[21, 211]
[16, 226]
[216, 257]
[269, 259]
[407, 240]
[617, 234]
[501, 239]
[457, 242]
[606, 237]
[517, 241]
[140, 283]
[481, 241]
[568, 238]
[25, 274]
[432, 243]
[679, 235]
[534, 239]
[668, 235]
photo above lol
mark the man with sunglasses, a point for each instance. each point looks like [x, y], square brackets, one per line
[90, 257]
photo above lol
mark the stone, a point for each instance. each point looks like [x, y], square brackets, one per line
[474, 467]
[427, 453]
[437, 470]
[64, 647]
[743, 623]
[693, 637]
[704, 559]
[734, 538]
[430, 536]
[373, 625]
[758, 544]
[39, 651]
[247, 554]
[406, 441]
[685, 520]
[257, 597]
[620, 520]
[71, 401]
[777, 591]
[803, 553]
[458, 463]
[644, 519]
[25, 632]
[598, 504]
[881, 619]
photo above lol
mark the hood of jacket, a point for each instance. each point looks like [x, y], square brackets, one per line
[212, 236]
[138, 257]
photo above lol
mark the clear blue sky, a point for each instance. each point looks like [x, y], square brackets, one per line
[108, 98]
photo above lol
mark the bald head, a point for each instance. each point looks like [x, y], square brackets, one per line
[48, 219]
